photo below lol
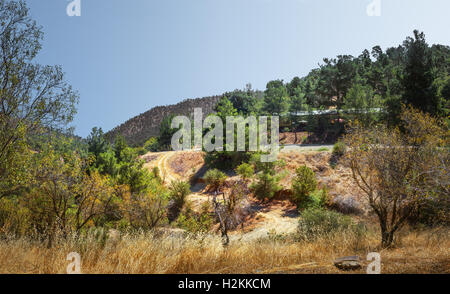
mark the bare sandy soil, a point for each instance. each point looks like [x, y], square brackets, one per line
[277, 217]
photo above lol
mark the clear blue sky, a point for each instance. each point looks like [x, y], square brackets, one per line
[126, 56]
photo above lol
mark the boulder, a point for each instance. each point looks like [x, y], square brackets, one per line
[348, 263]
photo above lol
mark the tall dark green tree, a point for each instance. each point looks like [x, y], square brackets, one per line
[336, 78]
[120, 144]
[166, 132]
[97, 143]
[419, 76]
[276, 98]
[243, 101]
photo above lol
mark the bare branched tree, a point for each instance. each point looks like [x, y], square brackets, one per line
[399, 169]
[227, 209]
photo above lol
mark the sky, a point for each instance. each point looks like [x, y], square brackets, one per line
[127, 56]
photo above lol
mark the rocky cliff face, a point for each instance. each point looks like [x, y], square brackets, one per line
[140, 128]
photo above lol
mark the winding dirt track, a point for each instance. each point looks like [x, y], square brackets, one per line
[164, 167]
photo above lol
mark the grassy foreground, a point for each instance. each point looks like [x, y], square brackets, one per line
[415, 252]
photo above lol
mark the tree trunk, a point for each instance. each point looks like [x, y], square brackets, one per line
[387, 238]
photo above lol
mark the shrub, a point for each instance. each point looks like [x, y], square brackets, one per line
[145, 210]
[151, 144]
[316, 222]
[226, 160]
[318, 199]
[303, 184]
[156, 174]
[140, 151]
[215, 178]
[178, 191]
[196, 222]
[338, 151]
[14, 219]
[245, 170]
[266, 186]
[266, 167]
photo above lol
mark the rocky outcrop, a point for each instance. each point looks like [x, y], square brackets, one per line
[140, 128]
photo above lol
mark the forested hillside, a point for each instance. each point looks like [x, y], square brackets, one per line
[371, 86]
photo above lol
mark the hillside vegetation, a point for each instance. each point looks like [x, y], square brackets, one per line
[128, 204]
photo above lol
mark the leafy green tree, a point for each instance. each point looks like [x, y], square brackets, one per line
[298, 104]
[106, 164]
[243, 101]
[445, 94]
[166, 132]
[32, 96]
[419, 76]
[336, 78]
[310, 84]
[132, 173]
[362, 103]
[226, 160]
[295, 84]
[265, 167]
[119, 146]
[267, 178]
[96, 142]
[225, 108]
[276, 98]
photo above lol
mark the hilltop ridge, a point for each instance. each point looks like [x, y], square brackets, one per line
[140, 128]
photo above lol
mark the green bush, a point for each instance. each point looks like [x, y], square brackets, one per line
[226, 160]
[245, 170]
[214, 178]
[178, 191]
[339, 149]
[266, 185]
[303, 184]
[316, 222]
[156, 174]
[140, 151]
[151, 144]
[196, 222]
[316, 199]
[265, 167]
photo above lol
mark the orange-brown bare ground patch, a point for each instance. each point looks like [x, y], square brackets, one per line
[186, 163]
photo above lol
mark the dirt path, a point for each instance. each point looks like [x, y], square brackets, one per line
[276, 220]
[164, 168]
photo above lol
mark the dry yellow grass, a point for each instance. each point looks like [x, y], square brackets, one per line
[417, 252]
